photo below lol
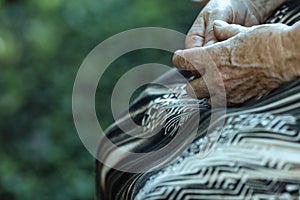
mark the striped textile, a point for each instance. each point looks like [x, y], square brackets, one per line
[256, 155]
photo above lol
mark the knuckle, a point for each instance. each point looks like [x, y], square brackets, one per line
[178, 59]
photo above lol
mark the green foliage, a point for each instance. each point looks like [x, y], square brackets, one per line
[42, 44]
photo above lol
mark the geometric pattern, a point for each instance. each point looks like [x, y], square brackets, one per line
[256, 155]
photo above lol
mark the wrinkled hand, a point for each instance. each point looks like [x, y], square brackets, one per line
[251, 61]
[243, 12]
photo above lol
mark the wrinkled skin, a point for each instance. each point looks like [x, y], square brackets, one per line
[243, 12]
[251, 61]
[248, 61]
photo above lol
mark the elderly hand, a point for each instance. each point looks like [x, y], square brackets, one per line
[251, 61]
[243, 12]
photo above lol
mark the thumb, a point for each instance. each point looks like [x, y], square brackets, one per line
[224, 31]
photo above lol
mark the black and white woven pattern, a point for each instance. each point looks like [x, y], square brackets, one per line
[257, 155]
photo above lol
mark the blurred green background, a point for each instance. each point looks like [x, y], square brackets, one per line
[42, 44]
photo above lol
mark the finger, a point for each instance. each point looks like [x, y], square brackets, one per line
[210, 37]
[197, 88]
[216, 102]
[189, 59]
[224, 31]
[195, 36]
[205, 87]
[202, 60]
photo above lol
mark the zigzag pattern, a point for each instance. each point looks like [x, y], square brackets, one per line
[256, 155]
[240, 171]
